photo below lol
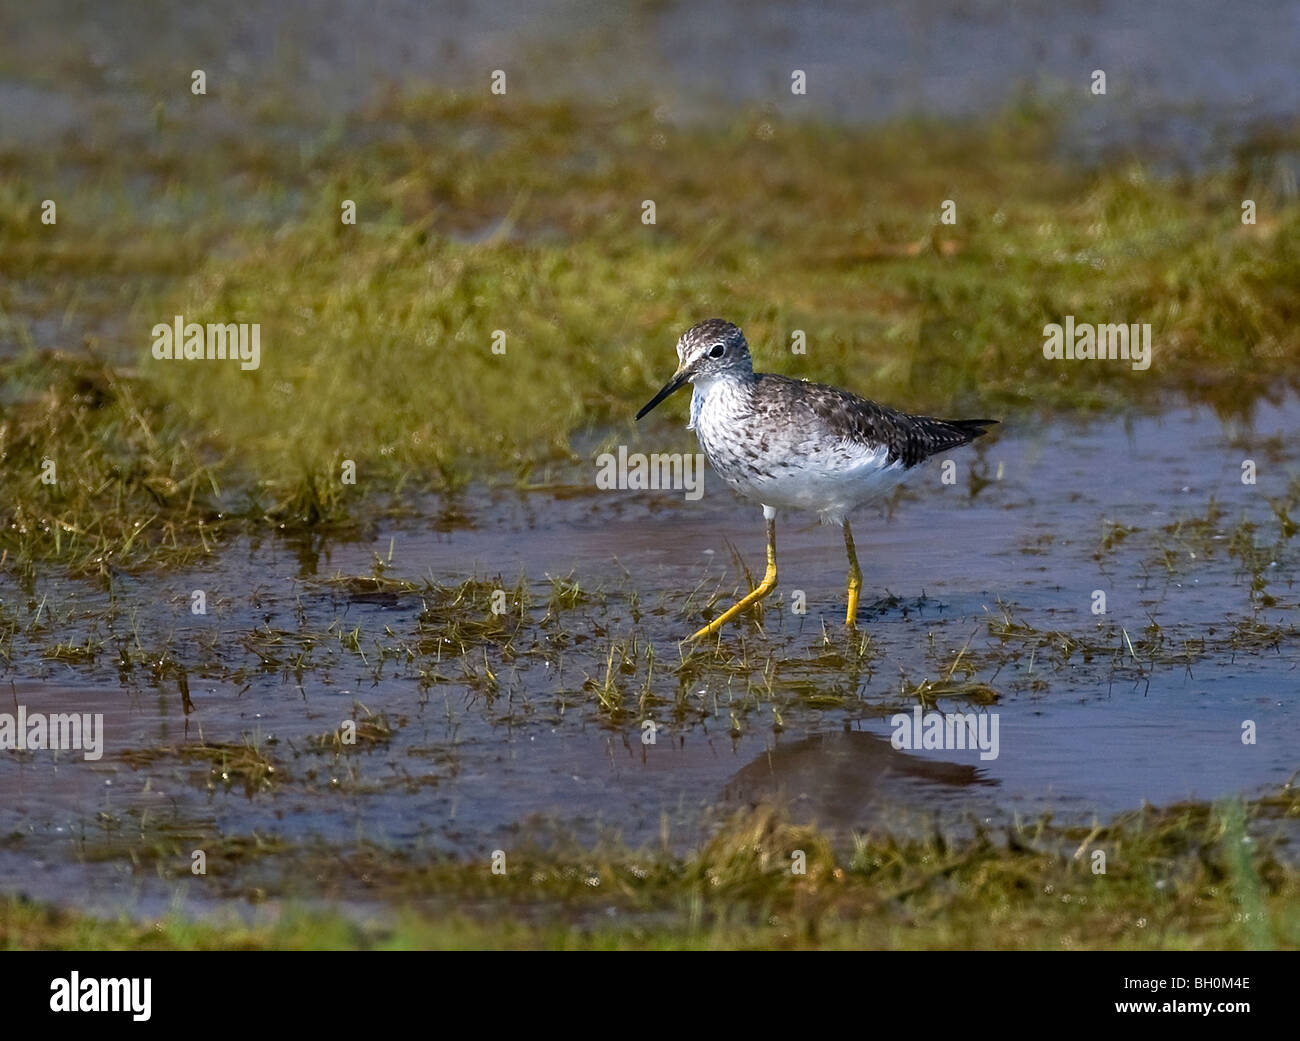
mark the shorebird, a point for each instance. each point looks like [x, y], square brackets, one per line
[792, 444]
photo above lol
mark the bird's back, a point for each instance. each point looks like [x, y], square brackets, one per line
[833, 415]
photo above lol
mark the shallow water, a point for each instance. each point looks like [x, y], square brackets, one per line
[472, 767]
[1185, 78]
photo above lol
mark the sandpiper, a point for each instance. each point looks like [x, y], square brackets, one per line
[791, 444]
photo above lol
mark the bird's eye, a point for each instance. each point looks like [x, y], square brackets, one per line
[719, 349]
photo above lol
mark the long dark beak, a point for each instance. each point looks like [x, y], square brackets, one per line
[678, 381]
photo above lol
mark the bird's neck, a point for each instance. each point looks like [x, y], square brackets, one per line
[723, 392]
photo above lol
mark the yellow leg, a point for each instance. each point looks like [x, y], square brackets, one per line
[759, 591]
[855, 579]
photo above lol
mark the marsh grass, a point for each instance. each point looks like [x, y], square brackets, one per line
[369, 730]
[247, 763]
[1188, 876]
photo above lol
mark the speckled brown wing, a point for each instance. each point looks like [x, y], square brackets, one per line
[912, 439]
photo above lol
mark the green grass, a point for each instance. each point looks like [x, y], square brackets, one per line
[1185, 877]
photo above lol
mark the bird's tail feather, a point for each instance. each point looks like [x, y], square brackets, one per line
[930, 436]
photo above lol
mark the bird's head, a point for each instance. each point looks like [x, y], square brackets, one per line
[708, 350]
